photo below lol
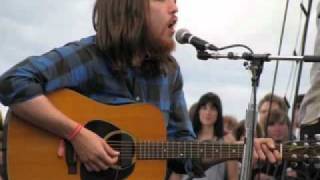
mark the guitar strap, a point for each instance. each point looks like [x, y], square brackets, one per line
[70, 158]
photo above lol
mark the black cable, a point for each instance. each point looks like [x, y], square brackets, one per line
[236, 45]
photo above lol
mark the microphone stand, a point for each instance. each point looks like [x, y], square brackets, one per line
[256, 67]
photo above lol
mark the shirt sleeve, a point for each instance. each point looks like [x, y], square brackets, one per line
[179, 125]
[37, 75]
[180, 128]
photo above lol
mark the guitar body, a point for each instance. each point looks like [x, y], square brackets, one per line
[31, 153]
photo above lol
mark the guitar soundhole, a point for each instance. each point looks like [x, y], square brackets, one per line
[124, 144]
[119, 141]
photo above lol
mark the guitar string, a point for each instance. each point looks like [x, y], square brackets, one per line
[191, 146]
[148, 146]
[161, 144]
[154, 147]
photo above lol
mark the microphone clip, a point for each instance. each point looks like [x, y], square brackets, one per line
[202, 54]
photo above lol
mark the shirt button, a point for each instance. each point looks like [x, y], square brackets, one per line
[137, 98]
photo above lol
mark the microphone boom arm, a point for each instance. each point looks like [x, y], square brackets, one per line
[204, 55]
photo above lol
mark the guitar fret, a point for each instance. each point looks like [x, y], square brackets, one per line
[144, 150]
[191, 149]
[155, 153]
[167, 150]
[161, 150]
[198, 149]
[178, 149]
[205, 151]
[212, 150]
[229, 151]
[147, 149]
[220, 151]
[151, 150]
[180, 144]
[140, 149]
[185, 149]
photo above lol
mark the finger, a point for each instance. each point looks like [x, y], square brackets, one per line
[259, 151]
[87, 167]
[270, 143]
[61, 149]
[93, 166]
[271, 158]
[278, 155]
[112, 155]
[255, 157]
[110, 150]
[101, 164]
[111, 160]
[105, 159]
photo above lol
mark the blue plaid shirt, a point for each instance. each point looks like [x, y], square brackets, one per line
[82, 67]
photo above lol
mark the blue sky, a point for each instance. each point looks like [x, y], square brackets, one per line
[35, 27]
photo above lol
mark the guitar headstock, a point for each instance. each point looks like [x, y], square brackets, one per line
[306, 151]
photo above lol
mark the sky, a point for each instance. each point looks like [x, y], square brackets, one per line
[35, 27]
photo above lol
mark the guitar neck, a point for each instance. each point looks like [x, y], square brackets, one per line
[188, 149]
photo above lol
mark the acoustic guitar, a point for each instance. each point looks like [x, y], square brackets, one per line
[136, 130]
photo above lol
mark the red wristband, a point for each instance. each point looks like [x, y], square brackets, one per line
[75, 132]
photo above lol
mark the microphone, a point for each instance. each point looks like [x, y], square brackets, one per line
[183, 36]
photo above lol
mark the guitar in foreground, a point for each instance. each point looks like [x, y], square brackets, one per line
[136, 130]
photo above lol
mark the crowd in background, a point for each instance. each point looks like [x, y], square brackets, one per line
[273, 122]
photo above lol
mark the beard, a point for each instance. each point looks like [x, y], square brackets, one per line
[160, 46]
[158, 50]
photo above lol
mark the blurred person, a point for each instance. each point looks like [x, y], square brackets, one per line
[269, 103]
[278, 126]
[240, 131]
[229, 123]
[277, 129]
[208, 126]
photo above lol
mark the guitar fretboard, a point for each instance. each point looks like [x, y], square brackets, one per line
[187, 149]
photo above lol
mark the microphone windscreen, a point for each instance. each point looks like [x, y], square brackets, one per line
[180, 36]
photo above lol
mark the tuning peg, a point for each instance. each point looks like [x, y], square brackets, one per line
[317, 165]
[294, 164]
[316, 159]
[317, 137]
[305, 136]
[294, 156]
[305, 164]
[306, 144]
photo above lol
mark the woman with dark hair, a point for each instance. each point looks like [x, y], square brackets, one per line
[208, 126]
